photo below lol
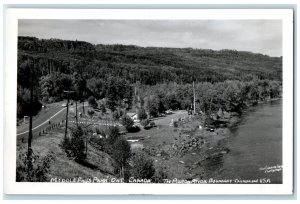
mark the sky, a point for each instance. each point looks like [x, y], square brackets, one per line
[258, 36]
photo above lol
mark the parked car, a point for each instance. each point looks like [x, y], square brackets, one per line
[169, 112]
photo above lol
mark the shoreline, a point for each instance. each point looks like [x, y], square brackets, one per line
[203, 161]
[210, 165]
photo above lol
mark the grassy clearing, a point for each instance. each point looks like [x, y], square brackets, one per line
[191, 163]
[163, 133]
[165, 121]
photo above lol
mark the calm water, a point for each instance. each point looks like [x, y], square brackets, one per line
[256, 142]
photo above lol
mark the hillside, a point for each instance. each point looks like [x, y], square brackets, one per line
[97, 164]
[149, 65]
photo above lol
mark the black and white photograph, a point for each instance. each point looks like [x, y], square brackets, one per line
[150, 101]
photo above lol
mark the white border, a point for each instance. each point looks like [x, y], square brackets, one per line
[12, 187]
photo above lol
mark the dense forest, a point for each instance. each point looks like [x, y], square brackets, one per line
[161, 77]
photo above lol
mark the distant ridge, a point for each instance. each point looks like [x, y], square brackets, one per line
[149, 65]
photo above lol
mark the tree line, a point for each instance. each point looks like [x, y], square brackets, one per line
[230, 96]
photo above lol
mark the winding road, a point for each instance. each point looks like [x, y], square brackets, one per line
[40, 126]
[54, 114]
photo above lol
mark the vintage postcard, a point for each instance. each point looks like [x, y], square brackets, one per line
[149, 101]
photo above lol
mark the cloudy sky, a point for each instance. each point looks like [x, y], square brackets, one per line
[259, 36]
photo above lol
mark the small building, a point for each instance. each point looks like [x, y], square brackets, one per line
[134, 117]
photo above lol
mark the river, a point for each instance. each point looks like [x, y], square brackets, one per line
[255, 143]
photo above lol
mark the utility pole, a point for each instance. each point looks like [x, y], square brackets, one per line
[135, 101]
[66, 129]
[83, 107]
[29, 151]
[86, 139]
[194, 97]
[76, 113]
